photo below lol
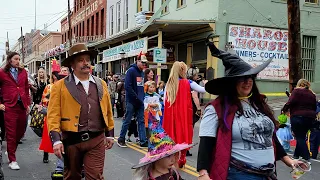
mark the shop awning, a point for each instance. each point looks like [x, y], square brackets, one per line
[174, 30]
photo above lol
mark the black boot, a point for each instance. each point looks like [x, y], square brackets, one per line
[188, 153]
[45, 157]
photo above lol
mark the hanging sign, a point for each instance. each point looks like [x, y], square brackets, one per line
[256, 45]
[130, 49]
[159, 55]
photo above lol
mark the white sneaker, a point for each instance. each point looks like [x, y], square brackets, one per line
[14, 165]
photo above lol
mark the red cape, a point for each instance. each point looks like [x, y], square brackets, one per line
[177, 120]
[46, 144]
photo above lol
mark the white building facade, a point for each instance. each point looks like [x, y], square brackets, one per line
[120, 16]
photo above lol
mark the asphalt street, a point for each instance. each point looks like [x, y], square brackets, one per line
[118, 161]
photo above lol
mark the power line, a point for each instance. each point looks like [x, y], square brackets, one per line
[301, 29]
[9, 18]
[66, 11]
[261, 13]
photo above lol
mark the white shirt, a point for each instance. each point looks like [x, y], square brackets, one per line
[193, 85]
[85, 83]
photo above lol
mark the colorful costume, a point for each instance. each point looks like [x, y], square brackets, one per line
[284, 133]
[160, 146]
[150, 99]
[46, 144]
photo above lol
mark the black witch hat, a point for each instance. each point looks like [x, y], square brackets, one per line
[234, 67]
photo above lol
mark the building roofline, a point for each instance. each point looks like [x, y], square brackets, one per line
[156, 21]
[47, 36]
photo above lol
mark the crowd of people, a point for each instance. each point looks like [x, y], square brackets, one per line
[239, 136]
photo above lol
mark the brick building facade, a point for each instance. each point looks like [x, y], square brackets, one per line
[88, 21]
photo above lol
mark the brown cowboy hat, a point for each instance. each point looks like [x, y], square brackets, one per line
[76, 50]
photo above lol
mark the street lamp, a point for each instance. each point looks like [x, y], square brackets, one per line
[122, 53]
[122, 56]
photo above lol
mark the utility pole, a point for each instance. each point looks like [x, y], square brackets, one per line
[69, 22]
[7, 44]
[295, 70]
[35, 14]
[22, 45]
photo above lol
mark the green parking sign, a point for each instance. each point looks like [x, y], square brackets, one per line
[159, 55]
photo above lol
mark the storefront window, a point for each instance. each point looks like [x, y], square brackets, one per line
[199, 51]
[182, 52]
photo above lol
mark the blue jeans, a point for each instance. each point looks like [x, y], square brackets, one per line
[139, 111]
[60, 165]
[235, 174]
[300, 126]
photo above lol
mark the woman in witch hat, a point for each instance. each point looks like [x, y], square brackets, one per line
[163, 153]
[237, 132]
[177, 120]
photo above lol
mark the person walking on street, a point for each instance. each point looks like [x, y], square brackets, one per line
[16, 100]
[113, 90]
[302, 105]
[87, 129]
[178, 112]
[237, 131]
[134, 86]
[315, 135]
[2, 108]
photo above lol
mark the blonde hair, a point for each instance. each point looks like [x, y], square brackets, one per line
[303, 83]
[44, 76]
[141, 173]
[178, 70]
[149, 83]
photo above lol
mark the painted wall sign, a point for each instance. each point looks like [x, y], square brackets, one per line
[131, 49]
[256, 45]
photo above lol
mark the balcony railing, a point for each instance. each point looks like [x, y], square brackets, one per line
[33, 56]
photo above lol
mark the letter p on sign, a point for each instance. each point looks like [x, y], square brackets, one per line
[159, 55]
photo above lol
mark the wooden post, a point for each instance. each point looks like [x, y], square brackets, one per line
[295, 70]
[69, 22]
[159, 64]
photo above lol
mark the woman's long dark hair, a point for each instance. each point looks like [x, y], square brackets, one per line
[9, 57]
[146, 72]
[257, 100]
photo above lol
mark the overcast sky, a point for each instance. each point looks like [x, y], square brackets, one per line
[17, 13]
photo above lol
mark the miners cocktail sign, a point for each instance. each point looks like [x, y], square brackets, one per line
[256, 45]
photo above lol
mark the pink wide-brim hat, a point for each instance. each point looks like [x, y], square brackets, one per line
[148, 158]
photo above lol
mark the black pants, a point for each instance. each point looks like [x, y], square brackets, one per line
[133, 128]
[314, 143]
[300, 126]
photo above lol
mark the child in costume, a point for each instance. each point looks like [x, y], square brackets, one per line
[163, 153]
[151, 103]
[314, 139]
[284, 132]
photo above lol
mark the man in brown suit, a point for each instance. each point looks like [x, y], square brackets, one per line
[80, 119]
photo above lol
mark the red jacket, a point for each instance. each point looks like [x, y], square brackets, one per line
[11, 90]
